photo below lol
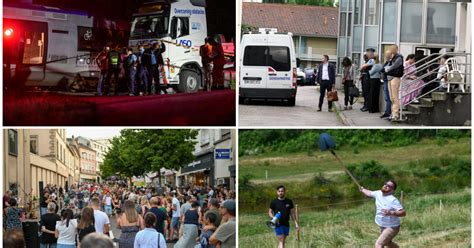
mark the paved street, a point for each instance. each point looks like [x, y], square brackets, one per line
[276, 113]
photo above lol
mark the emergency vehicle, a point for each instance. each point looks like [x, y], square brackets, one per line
[181, 26]
[268, 66]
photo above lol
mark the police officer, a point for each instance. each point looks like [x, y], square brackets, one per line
[152, 59]
[160, 48]
[142, 72]
[131, 71]
[114, 60]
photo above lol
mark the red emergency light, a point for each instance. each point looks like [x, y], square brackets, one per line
[8, 32]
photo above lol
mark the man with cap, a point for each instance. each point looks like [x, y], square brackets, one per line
[364, 69]
[225, 233]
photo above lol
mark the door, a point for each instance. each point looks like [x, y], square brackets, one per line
[254, 69]
[279, 74]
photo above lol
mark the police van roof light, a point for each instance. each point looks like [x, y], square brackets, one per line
[267, 30]
[8, 31]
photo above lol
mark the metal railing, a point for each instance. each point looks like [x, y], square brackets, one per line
[426, 64]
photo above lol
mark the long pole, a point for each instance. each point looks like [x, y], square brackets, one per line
[298, 221]
[345, 169]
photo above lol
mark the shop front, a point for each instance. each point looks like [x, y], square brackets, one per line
[200, 172]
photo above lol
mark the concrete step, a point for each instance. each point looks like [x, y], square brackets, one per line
[417, 108]
[426, 101]
[438, 96]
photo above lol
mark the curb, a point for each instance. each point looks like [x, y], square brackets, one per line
[345, 120]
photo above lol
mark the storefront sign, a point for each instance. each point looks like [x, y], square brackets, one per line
[222, 153]
[201, 162]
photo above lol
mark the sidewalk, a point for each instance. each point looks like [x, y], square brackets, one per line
[355, 117]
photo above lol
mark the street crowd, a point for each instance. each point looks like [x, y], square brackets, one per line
[402, 82]
[143, 72]
[192, 216]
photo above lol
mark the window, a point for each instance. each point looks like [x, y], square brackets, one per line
[372, 12]
[358, 12]
[342, 21]
[154, 26]
[33, 50]
[12, 142]
[441, 23]
[410, 30]
[277, 57]
[389, 25]
[357, 40]
[371, 37]
[205, 137]
[179, 27]
[34, 144]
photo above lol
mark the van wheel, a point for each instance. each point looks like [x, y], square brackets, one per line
[189, 81]
[292, 101]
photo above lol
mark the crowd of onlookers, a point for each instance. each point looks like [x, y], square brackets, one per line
[190, 216]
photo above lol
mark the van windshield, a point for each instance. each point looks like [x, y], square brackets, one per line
[151, 26]
[277, 57]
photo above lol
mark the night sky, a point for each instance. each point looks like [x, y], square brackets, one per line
[220, 13]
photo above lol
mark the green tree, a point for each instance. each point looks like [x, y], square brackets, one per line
[139, 151]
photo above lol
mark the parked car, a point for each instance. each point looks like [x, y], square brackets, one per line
[300, 77]
[310, 76]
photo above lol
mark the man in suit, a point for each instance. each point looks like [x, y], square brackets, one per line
[326, 79]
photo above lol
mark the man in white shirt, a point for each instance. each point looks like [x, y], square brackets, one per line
[102, 221]
[176, 214]
[327, 79]
[388, 213]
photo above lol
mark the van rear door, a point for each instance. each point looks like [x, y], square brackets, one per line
[254, 69]
[279, 74]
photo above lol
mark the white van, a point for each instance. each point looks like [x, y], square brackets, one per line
[268, 66]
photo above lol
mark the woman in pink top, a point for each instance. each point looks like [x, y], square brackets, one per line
[411, 86]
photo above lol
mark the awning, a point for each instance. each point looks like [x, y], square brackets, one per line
[192, 172]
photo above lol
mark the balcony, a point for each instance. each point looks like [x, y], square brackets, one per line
[311, 53]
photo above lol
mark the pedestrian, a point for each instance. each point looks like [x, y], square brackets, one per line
[48, 225]
[44, 203]
[176, 214]
[374, 88]
[394, 71]
[117, 203]
[66, 230]
[101, 220]
[388, 213]
[95, 240]
[364, 69]
[131, 71]
[107, 201]
[13, 215]
[218, 62]
[14, 238]
[285, 207]
[159, 50]
[213, 207]
[149, 237]
[130, 222]
[66, 199]
[145, 205]
[86, 223]
[411, 85]
[102, 63]
[113, 61]
[209, 226]
[205, 52]
[386, 86]
[159, 213]
[190, 227]
[80, 199]
[326, 80]
[348, 82]
[225, 236]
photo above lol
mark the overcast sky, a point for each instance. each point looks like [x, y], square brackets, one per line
[93, 133]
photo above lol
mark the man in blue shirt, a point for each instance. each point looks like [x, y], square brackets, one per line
[131, 69]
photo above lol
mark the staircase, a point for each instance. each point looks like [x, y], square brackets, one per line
[439, 107]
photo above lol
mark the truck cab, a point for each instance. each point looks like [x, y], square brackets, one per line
[181, 26]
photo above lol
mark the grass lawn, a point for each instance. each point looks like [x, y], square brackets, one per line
[301, 166]
[439, 220]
